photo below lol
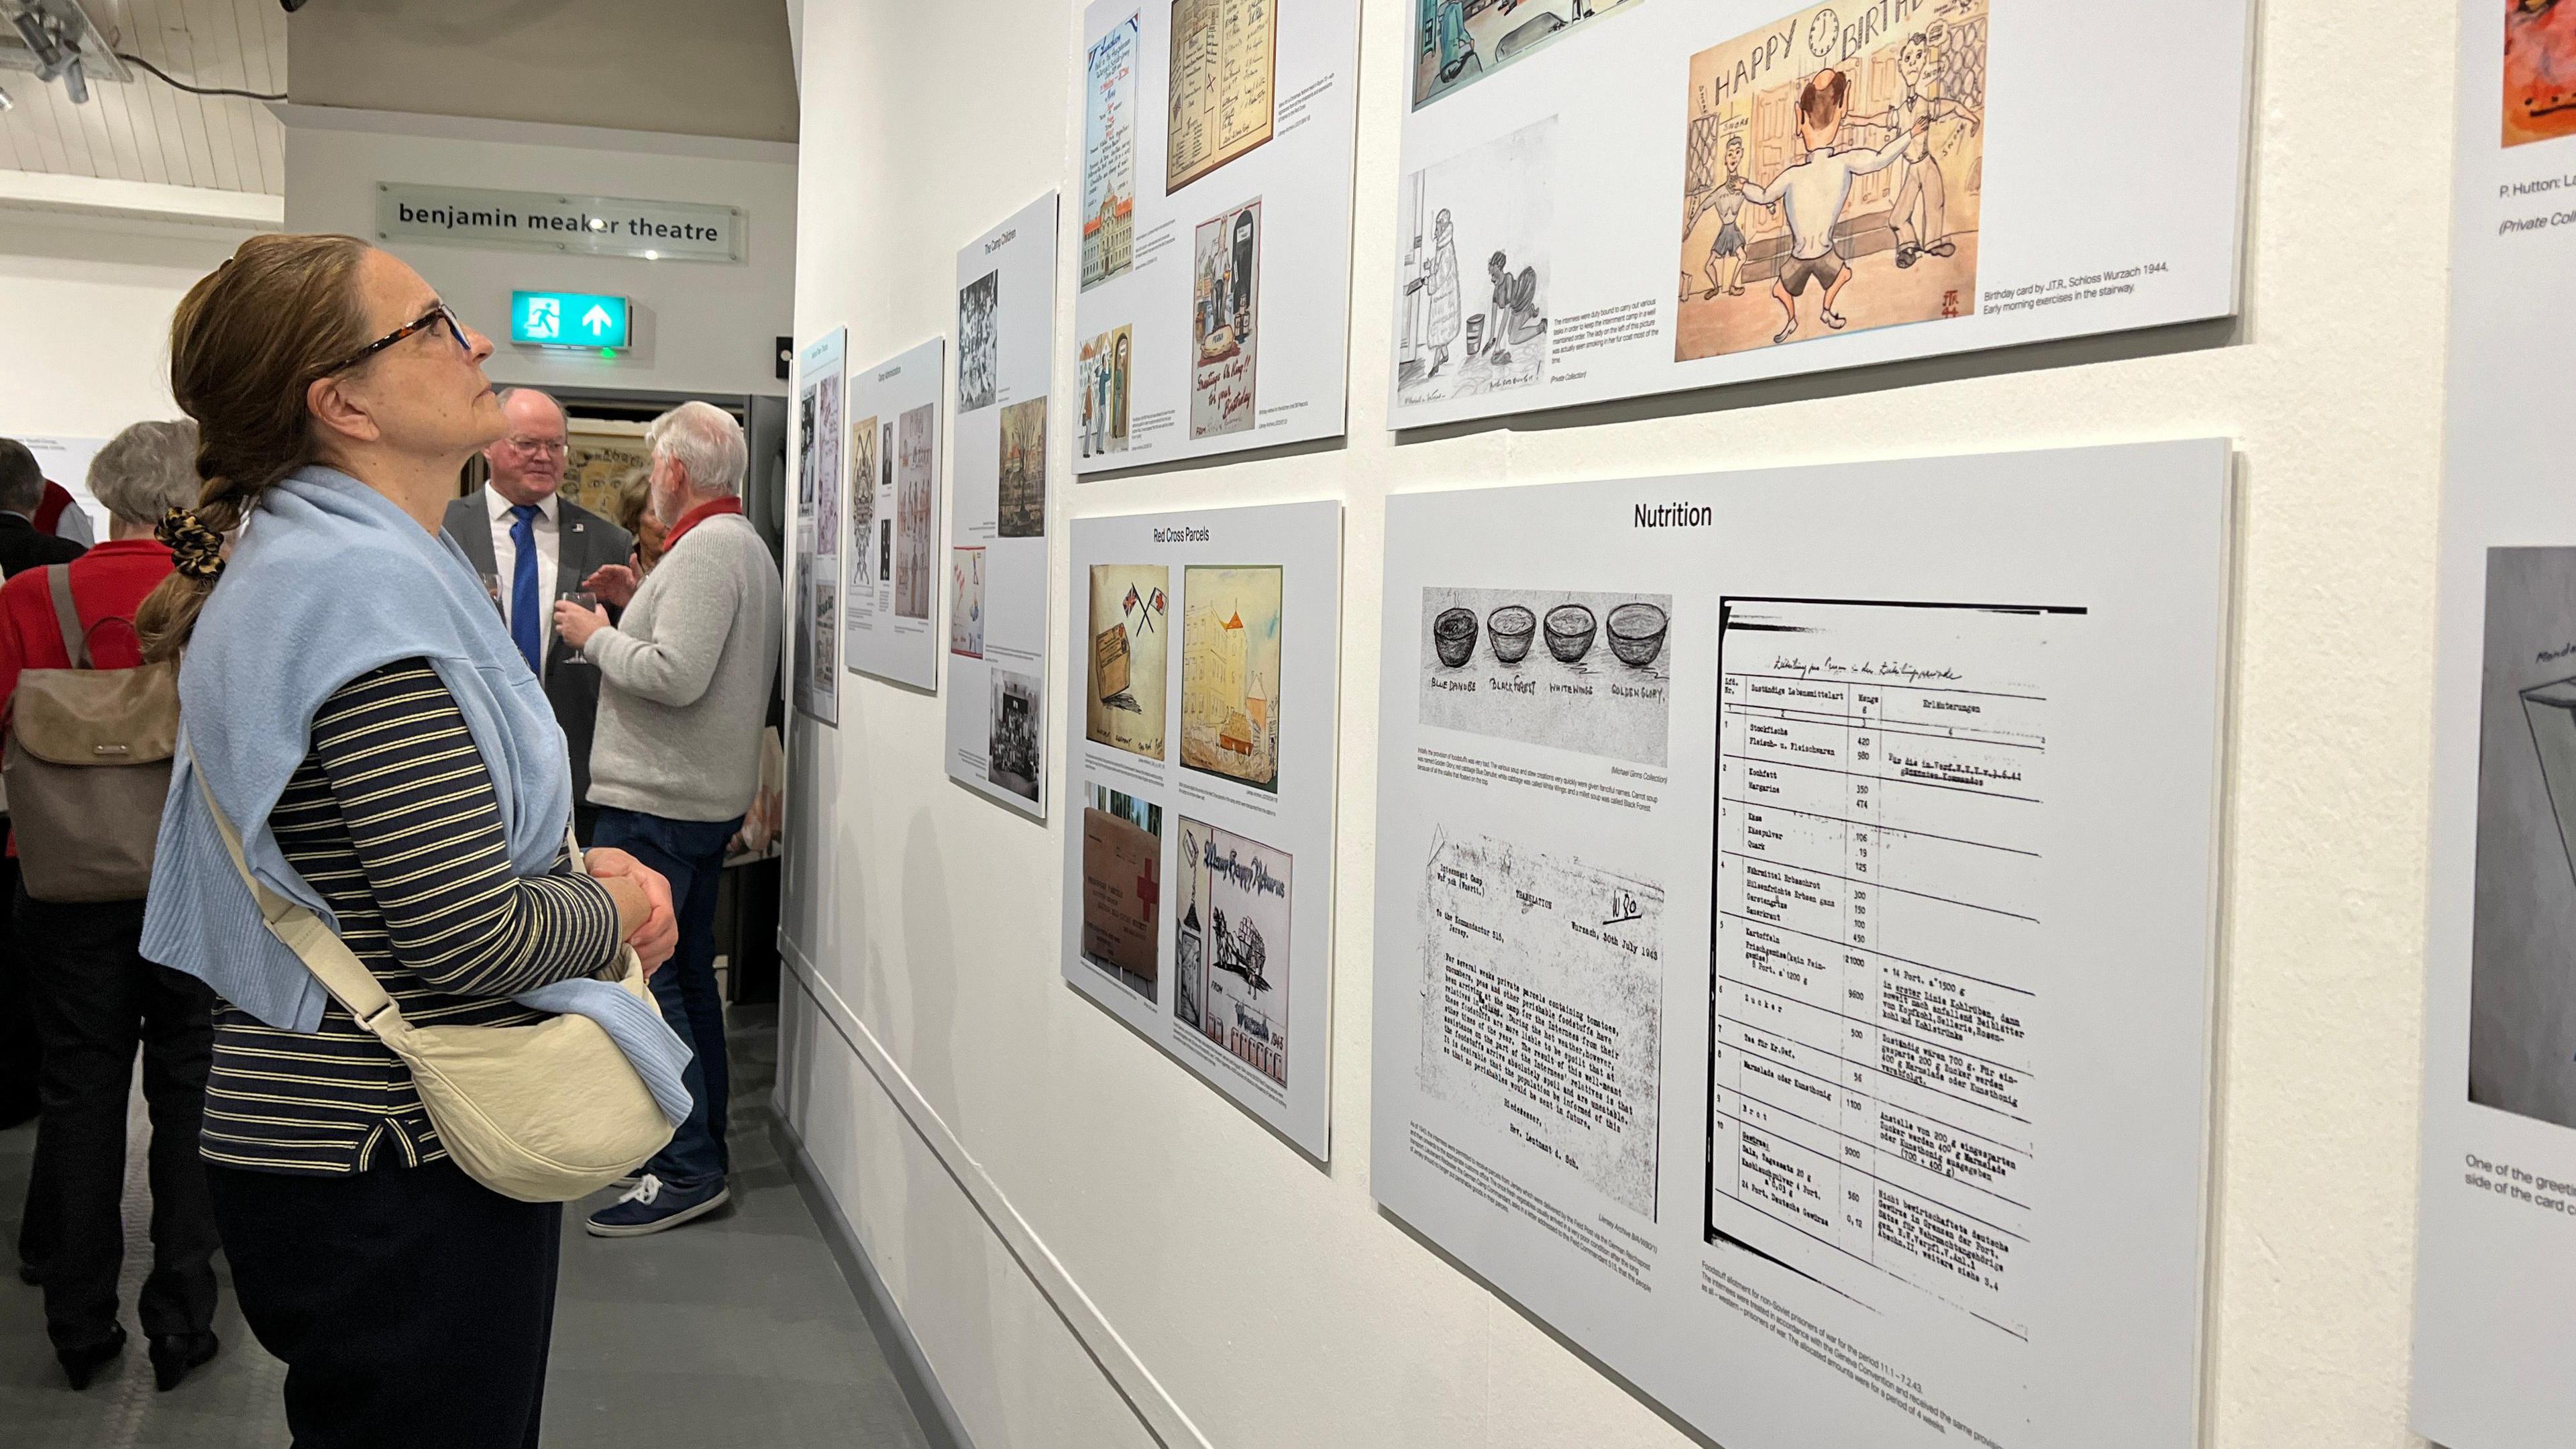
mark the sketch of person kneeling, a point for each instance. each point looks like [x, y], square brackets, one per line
[1515, 319]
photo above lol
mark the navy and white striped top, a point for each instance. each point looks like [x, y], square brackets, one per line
[392, 818]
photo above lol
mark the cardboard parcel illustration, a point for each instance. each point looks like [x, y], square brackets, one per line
[1129, 657]
[1122, 872]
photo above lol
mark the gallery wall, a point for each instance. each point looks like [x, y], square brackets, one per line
[1093, 1249]
[85, 307]
[707, 327]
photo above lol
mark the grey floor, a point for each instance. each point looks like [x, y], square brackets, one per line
[736, 1329]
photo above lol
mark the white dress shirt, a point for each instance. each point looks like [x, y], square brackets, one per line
[505, 558]
[76, 525]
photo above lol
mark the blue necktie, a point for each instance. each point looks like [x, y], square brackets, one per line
[525, 626]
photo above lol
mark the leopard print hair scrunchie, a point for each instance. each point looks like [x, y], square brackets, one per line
[196, 549]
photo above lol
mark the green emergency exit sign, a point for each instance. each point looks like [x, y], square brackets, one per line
[567, 319]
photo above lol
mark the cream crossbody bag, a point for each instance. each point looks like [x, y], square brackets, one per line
[542, 1113]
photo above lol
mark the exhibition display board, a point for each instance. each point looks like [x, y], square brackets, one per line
[1200, 719]
[2496, 1258]
[891, 618]
[1215, 185]
[1795, 931]
[997, 554]
[821, 437]
[1647, 197]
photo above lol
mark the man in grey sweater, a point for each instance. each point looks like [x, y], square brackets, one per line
[685, 682]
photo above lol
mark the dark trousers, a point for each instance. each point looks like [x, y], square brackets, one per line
[96, 1000]
[19, 1051]
[412, 1306]
[691, 854]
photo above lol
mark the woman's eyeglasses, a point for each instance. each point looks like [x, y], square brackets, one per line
[429, 319]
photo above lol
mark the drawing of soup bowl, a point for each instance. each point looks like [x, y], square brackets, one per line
[1637, 633]
[1511, 628]
[1454, 635]
[1569, 632]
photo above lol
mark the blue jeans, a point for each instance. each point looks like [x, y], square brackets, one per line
[691, 854]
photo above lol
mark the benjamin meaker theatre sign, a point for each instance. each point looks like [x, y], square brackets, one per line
[544, 221]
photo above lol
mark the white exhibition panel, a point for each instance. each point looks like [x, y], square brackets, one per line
[891, 612]
[1570, 229]
[1215, 270]
[822, 439]
[1926, 755]
[2496, 1250]
[997, 555]
[1201, 714]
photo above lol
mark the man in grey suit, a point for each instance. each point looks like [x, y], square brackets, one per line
[540, 547]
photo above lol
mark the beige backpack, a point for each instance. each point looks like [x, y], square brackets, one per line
[88, 765]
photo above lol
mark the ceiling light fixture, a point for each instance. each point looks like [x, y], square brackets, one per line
[57, 40]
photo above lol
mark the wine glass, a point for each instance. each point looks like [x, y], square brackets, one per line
[586, 599]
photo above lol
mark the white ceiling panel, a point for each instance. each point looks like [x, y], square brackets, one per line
[143, 130]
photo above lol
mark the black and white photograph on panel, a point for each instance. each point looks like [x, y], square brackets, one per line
[977, 337]
[1573, 670]
[2522, 993]
[1012, 746]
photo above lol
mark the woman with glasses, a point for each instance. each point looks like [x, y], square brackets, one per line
[354, 708]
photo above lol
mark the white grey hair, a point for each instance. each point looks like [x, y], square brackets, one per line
[507, 393]
[147, 470]
[707, 441]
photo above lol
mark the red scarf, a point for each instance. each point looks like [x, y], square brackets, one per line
[50, 512]
[696, 516]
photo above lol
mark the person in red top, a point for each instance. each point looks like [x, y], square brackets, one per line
[108, 582]
[62, 516]
[97, 1000]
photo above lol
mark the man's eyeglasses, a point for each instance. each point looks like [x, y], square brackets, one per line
[429, 319]
[556, 446]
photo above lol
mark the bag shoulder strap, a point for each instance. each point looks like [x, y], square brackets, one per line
[67, 615]
[302, 932]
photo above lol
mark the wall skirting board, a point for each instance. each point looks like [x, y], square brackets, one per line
[1135, 1384]
[930, 1406]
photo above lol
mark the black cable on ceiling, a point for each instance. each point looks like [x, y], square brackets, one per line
[177, 84]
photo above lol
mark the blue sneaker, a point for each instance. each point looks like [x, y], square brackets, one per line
[652, 1205]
